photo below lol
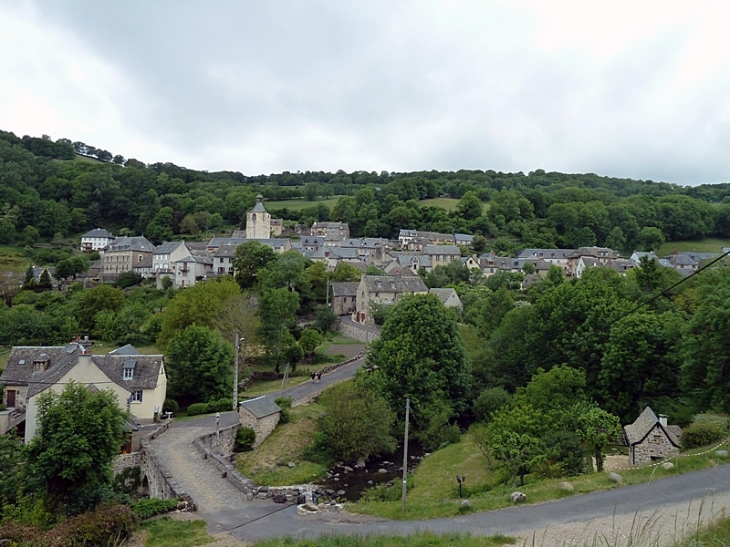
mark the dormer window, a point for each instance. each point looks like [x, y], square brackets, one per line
[41, 364]
[378, 283]
[128, 369]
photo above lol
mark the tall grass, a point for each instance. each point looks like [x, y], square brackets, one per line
[422, 539]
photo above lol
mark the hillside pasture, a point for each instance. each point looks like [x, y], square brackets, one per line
[299, 204]
[709, 245]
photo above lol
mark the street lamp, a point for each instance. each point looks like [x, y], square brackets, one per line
[460, 479]
[217, 428]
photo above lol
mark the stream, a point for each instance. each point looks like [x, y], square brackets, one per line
[348, 481]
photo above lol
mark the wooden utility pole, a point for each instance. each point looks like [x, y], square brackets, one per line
[405, 456]
[235, 374]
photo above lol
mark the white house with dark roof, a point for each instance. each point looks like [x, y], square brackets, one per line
[95, 240]
[191, 270]
[138, 381]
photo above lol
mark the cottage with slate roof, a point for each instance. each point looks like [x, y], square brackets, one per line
[385, 290]
[344, 297]
[650, 438]
[138, 381]
[260, 414]
[124, 255]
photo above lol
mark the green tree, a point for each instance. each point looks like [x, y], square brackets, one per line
[251, 257]
[276, 311]
[420, 354]
[515, 439]
[160, 227]
[651, 238]
[357, 422]
[91, 302]
[470, 206]
[309, 340]
[199, 365]
[11, 471]
[596, 428]
[79, 433]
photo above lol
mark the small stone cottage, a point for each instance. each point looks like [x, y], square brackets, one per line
[260, 414]
[650, 438]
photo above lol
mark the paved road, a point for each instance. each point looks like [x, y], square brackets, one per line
[701, 486]
[222, 505]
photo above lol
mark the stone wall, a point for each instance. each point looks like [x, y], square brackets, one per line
[655, 445]
[160, 482]
[221, 443]
[262, 426]
[356, 331]
[125, 461]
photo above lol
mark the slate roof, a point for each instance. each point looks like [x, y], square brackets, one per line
[547, 254]
[330, 225]
[98, 232]
[19, 369]
[443, 294]
[167, 247]
[195, 259]
[146, 369]
[259, 207]
[442, 250]
[129, 349]
[260, 407]
[226, 251]
[396, 284]
[344, 288]
[464, 238]
[133, 243]
[218, 241]
[647, 420]
[309, 241]
[339, 252]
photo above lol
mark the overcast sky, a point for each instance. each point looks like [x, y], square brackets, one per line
[631, 89]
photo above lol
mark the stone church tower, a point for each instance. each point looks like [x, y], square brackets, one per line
[258, 221]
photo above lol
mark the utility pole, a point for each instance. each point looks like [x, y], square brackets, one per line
[405, 456]
[328, 292]
[235, 374]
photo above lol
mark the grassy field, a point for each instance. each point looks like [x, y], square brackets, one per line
[267, 465]
[445, 203]
[700, 246]
[299, 204]
[435, 491]
[12, 259]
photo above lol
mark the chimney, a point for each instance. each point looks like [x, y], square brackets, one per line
[663, 420]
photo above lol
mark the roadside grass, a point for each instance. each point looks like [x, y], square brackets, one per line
[715, 534]
[421, 539]
[165, 532]
[339, 340]
[709, 245]
[435, 490]
[267, 465]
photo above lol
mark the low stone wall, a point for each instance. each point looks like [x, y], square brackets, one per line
[221, 443]
[356, 331]
[125, 461]
[161, 483]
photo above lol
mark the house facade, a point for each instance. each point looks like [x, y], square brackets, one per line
[650, 438]
[384, 290]
[332, 232]
[95, 240]
[258, 221]
[124, 254]
[344, 297]
[191, 270]
[260, 414]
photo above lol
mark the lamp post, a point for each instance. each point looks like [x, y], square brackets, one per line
[217, 428]
[235, 371]
[460, 479]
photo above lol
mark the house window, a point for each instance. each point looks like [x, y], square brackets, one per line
[136, 396]
[128, 373]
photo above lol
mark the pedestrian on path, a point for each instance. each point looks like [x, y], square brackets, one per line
[319, 376]
[314, 377]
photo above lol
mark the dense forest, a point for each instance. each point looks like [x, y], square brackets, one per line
[56, 189]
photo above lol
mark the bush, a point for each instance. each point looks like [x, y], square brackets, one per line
[148, 508]
[221, 405]
[170, 405]
[197, 408]
[245, 438]
[106, 525]
[713, 419]
[701, 434]
[285, 406]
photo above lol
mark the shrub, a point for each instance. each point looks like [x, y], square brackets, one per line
[147, 508]
[2, 407]
[245, 438]
[701, 434]
[221, 405]
[106, 525]
[197, 408]
[170, 405]
[713, 419]
[285, 406]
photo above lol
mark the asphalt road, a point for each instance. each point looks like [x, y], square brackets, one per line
[699, 486]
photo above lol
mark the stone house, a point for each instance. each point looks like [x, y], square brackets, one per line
[441, 255]
[556, 257]
[650, 438]
[385, 290]
[332, 232]
[277, 226]
[191, 270]
[124, 254]
[344, 297]
[223, 259]
[138, 381]
[260, 414]
[95, 240]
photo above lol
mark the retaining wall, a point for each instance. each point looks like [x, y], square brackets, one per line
[356, 331]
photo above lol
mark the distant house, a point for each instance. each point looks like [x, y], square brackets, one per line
[332, 232]
[384, 290]
[650, 438]
[223, 259]
[95, 240]
[448, 298]
[164, 258]
[124, 254]
[260, 414]
[138, 381]
[344, 297]
[191, 270]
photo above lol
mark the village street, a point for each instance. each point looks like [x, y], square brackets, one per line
[666, 504]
